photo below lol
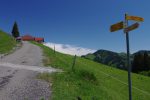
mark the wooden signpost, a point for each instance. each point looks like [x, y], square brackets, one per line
[132, 27]
[117, 26]
[124, 25]
[135, 18]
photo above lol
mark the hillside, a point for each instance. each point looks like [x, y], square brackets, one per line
[142, 52]
[110, 58]
[114, 59]
[90, 80]
[6, 42]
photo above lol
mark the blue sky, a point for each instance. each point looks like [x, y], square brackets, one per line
[83, 23]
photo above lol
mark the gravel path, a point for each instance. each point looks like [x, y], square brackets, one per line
[18, 75]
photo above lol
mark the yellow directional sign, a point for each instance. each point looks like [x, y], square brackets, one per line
[132, 27]
[117, 26]
[136, 18]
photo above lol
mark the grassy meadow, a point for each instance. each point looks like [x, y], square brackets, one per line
[6, 42]
[90, 80]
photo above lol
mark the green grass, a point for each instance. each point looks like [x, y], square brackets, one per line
[91, 80]
[6, 42]
[90, 56]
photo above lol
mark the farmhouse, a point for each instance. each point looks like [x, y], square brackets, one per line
[27, 38]
[31, 38]
[40, 40]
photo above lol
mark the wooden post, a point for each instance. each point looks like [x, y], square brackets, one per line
[54, 49]
[74, 62]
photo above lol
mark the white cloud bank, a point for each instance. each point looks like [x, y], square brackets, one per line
[69, 49]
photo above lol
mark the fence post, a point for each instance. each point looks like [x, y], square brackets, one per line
[54, 49]
[74, 62]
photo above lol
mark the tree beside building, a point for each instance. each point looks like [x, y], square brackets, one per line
[15, 30]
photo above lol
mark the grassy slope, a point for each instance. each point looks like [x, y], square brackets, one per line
[6, 42]
[90, 56]
[82, 83]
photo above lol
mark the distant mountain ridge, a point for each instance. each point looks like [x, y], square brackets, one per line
[114, 59]
[142, 52]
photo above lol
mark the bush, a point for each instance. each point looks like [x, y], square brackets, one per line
[146, 73]
[89, 76]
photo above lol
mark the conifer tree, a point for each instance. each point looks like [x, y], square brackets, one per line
[138, 63]
[15, 30]
[146, 61]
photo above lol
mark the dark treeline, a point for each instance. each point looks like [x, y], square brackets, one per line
[141, 62]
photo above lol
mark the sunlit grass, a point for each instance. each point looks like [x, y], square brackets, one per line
[6, 42]
[91, 80]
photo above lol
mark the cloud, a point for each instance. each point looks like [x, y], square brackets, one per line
[69, 49]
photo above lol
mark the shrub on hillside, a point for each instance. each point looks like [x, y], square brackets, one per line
[146, 73]
[88, 75]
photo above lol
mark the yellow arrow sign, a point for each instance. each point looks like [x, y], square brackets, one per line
[132, 27]
[136, 18]
[117, 26]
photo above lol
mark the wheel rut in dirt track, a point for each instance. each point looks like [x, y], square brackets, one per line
[18, 73]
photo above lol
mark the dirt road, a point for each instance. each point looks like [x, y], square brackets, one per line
[18, 75]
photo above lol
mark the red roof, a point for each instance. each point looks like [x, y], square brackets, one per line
[30, 38]
[27, 38]
[38, 39]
